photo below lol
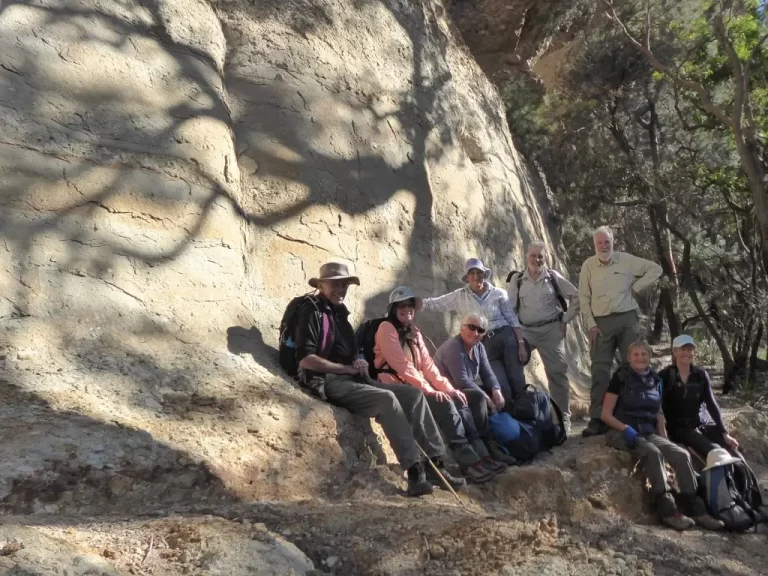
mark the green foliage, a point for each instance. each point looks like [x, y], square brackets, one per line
[621, 143]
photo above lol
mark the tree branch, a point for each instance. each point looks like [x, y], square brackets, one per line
[705, 99]
[741, 84]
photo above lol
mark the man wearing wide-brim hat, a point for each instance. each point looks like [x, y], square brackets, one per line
[329, 368]
[503, 341]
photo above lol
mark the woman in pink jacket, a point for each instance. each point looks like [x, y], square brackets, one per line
[402, 358]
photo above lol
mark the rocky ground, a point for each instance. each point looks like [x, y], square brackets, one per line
[119, 467]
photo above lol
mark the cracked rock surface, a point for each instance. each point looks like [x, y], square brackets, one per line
[171, 173]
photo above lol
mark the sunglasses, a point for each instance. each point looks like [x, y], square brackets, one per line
[474, 328]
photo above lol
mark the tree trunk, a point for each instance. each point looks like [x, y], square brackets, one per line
[658, 324]
[665, 307]
[688, 284]
[753, 352]
[658, 217]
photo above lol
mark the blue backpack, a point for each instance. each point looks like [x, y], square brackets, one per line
[535, 408]
[518, 439]
[529, 428]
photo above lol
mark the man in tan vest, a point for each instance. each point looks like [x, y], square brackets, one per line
[536, 294]
[608, 284]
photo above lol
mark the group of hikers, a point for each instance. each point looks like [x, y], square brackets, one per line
[475, 384]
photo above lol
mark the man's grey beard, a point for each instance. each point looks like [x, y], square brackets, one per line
[606, 258]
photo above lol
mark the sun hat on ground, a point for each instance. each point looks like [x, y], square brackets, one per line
[333, 271]
[683, 340]
[719, 457]
[475, 263]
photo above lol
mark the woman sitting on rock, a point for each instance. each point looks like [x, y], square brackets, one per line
[632, 412]
[402, 357]
[691, 411]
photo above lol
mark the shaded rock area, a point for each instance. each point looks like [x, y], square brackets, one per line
[507, 37]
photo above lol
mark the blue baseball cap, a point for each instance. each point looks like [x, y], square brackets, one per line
[683, 340]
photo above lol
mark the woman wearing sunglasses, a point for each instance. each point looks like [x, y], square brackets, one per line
[402, 357]
[462, 359]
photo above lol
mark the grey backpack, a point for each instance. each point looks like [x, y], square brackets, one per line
[732, 495]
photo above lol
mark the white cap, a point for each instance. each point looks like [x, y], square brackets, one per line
[719, 457]
[683, 340]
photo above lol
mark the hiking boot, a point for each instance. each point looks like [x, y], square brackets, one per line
[708, 522]
[594, 428]
[492, 465]
[678, 521]
[498, 454]
[417, 481]
[477, 473]
[455, 482]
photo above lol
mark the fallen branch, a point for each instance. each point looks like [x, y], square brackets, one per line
[149, 550]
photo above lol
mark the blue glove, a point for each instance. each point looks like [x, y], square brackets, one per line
[630, 436]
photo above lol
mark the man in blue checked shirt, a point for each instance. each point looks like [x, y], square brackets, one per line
[503, 341]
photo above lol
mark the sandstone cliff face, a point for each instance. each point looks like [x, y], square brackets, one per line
[507, 37]
[172, 172]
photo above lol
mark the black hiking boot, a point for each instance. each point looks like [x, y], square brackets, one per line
[594, 428]
[477, 473]
[498, 454]
[417, 481]
[455, 482]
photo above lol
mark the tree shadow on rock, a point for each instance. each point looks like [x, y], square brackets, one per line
[243, 341]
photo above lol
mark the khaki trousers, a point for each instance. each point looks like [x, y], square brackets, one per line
[401, 410]
[618, 331]
[548, 340]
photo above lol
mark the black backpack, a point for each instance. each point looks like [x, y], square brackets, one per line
[365, 340]
[553, 280]
[536, 407]
[287, 337]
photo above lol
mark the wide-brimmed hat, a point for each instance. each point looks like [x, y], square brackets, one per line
[719, 457]
[683, 340]
[475, 263]
[400, 294]
[333, 271]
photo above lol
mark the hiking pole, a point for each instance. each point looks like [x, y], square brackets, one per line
[428, 459]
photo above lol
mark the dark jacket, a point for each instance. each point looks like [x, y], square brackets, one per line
[690, 405]
[309, 335]
[639, 398]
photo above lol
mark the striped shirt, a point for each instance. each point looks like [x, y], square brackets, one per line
[494, 304]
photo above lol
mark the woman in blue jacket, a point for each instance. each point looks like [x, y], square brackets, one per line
[632, 412]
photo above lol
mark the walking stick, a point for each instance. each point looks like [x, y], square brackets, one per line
[370, 380]
[428, 459]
